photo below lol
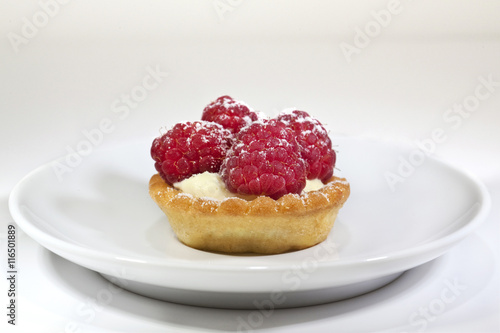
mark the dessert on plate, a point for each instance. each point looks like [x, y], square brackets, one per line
[237, 182]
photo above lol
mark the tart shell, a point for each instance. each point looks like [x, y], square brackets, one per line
[262, 225]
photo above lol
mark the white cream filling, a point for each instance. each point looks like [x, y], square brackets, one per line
[210, 185]
[313, 185]
[205, 185]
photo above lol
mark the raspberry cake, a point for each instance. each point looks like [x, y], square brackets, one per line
[237, 182]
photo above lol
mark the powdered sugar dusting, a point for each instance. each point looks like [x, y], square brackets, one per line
[230, 113]
[184, 194]
[199, 126]
[228, 103]
[316, 126]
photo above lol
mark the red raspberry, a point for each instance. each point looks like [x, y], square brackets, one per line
[316, 146]
[190, 148]
[231, 114]
[264, 160]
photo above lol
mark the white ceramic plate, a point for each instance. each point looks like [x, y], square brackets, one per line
[97, 213]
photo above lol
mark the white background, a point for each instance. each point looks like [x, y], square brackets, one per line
[66, 66]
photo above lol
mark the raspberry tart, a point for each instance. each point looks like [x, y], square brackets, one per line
[239, 183]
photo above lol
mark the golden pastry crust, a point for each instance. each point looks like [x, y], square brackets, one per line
[262, 225]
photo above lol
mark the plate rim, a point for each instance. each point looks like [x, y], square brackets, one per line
[75, 249]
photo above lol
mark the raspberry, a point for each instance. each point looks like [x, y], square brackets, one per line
[264, 160]
[190, 148]
[231, 114]
[316, 146]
